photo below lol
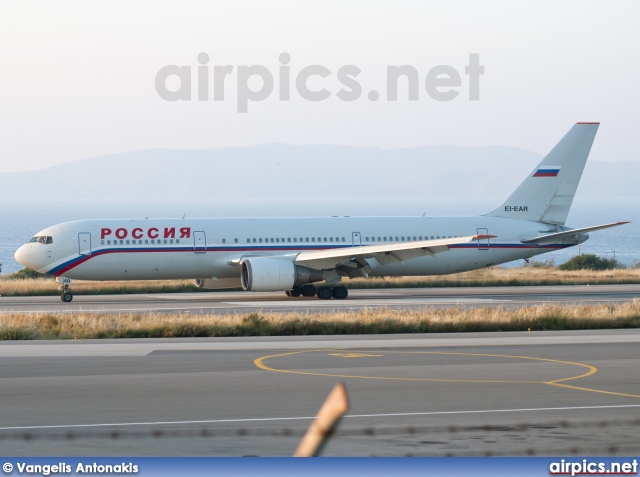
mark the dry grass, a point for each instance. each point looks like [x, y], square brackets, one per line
[46, 286]
[17, 326]
[494, 276]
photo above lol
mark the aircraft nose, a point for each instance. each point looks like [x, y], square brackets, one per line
[22, 255]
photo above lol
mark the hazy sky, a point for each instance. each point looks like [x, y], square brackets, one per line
[77, 79]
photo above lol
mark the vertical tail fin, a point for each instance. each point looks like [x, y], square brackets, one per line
[547, 193]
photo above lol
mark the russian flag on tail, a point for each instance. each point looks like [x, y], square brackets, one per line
[548, 171]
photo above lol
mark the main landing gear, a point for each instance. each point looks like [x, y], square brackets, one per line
[65, 292]
[323, 293]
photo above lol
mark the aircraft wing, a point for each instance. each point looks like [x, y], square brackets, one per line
[567, 233]
[384, 253]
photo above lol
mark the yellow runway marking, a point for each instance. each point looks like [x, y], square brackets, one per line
[260, 364]
[601, 391]
[590, 370]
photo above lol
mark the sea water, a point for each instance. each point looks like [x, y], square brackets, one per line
[20, 220]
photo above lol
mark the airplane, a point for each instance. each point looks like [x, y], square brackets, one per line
[295, 254]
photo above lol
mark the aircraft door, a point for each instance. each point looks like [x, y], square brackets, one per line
[199, 242]
[483, 244]
[357, 240]
[84, 243]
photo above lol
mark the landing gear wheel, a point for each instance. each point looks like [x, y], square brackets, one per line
[324, 293]
[295, 292]
[340, 293]
[288, 293]
[308, 290]
[64, 289]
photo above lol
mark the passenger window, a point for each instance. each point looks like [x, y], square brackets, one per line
[307, 239]
[177, 240]
[128, 242]
[153, 242]
[260, 240]
[271, 240]
[277, 240]
[171, 241]
[101, 242]
[146, 241]
[254, 240]
[289, 239]
[396, 239]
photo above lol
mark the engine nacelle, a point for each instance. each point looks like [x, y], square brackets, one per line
[273, 274]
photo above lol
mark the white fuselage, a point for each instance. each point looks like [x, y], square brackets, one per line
[211, 248]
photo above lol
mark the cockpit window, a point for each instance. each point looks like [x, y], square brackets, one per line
[42, 239]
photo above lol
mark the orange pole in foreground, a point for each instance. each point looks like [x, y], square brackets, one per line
[335, 406]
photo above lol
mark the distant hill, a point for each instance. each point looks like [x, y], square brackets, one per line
[287, 171]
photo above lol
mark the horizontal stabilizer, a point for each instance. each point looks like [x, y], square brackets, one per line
[567, 233]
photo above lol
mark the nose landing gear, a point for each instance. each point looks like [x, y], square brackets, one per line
[65, 292]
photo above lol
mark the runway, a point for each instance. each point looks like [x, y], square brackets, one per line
[393, 298]
[541, 393]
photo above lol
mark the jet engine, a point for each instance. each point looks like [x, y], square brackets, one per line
[272, 274]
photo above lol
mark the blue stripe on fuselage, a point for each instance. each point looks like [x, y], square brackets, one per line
[74, 262]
